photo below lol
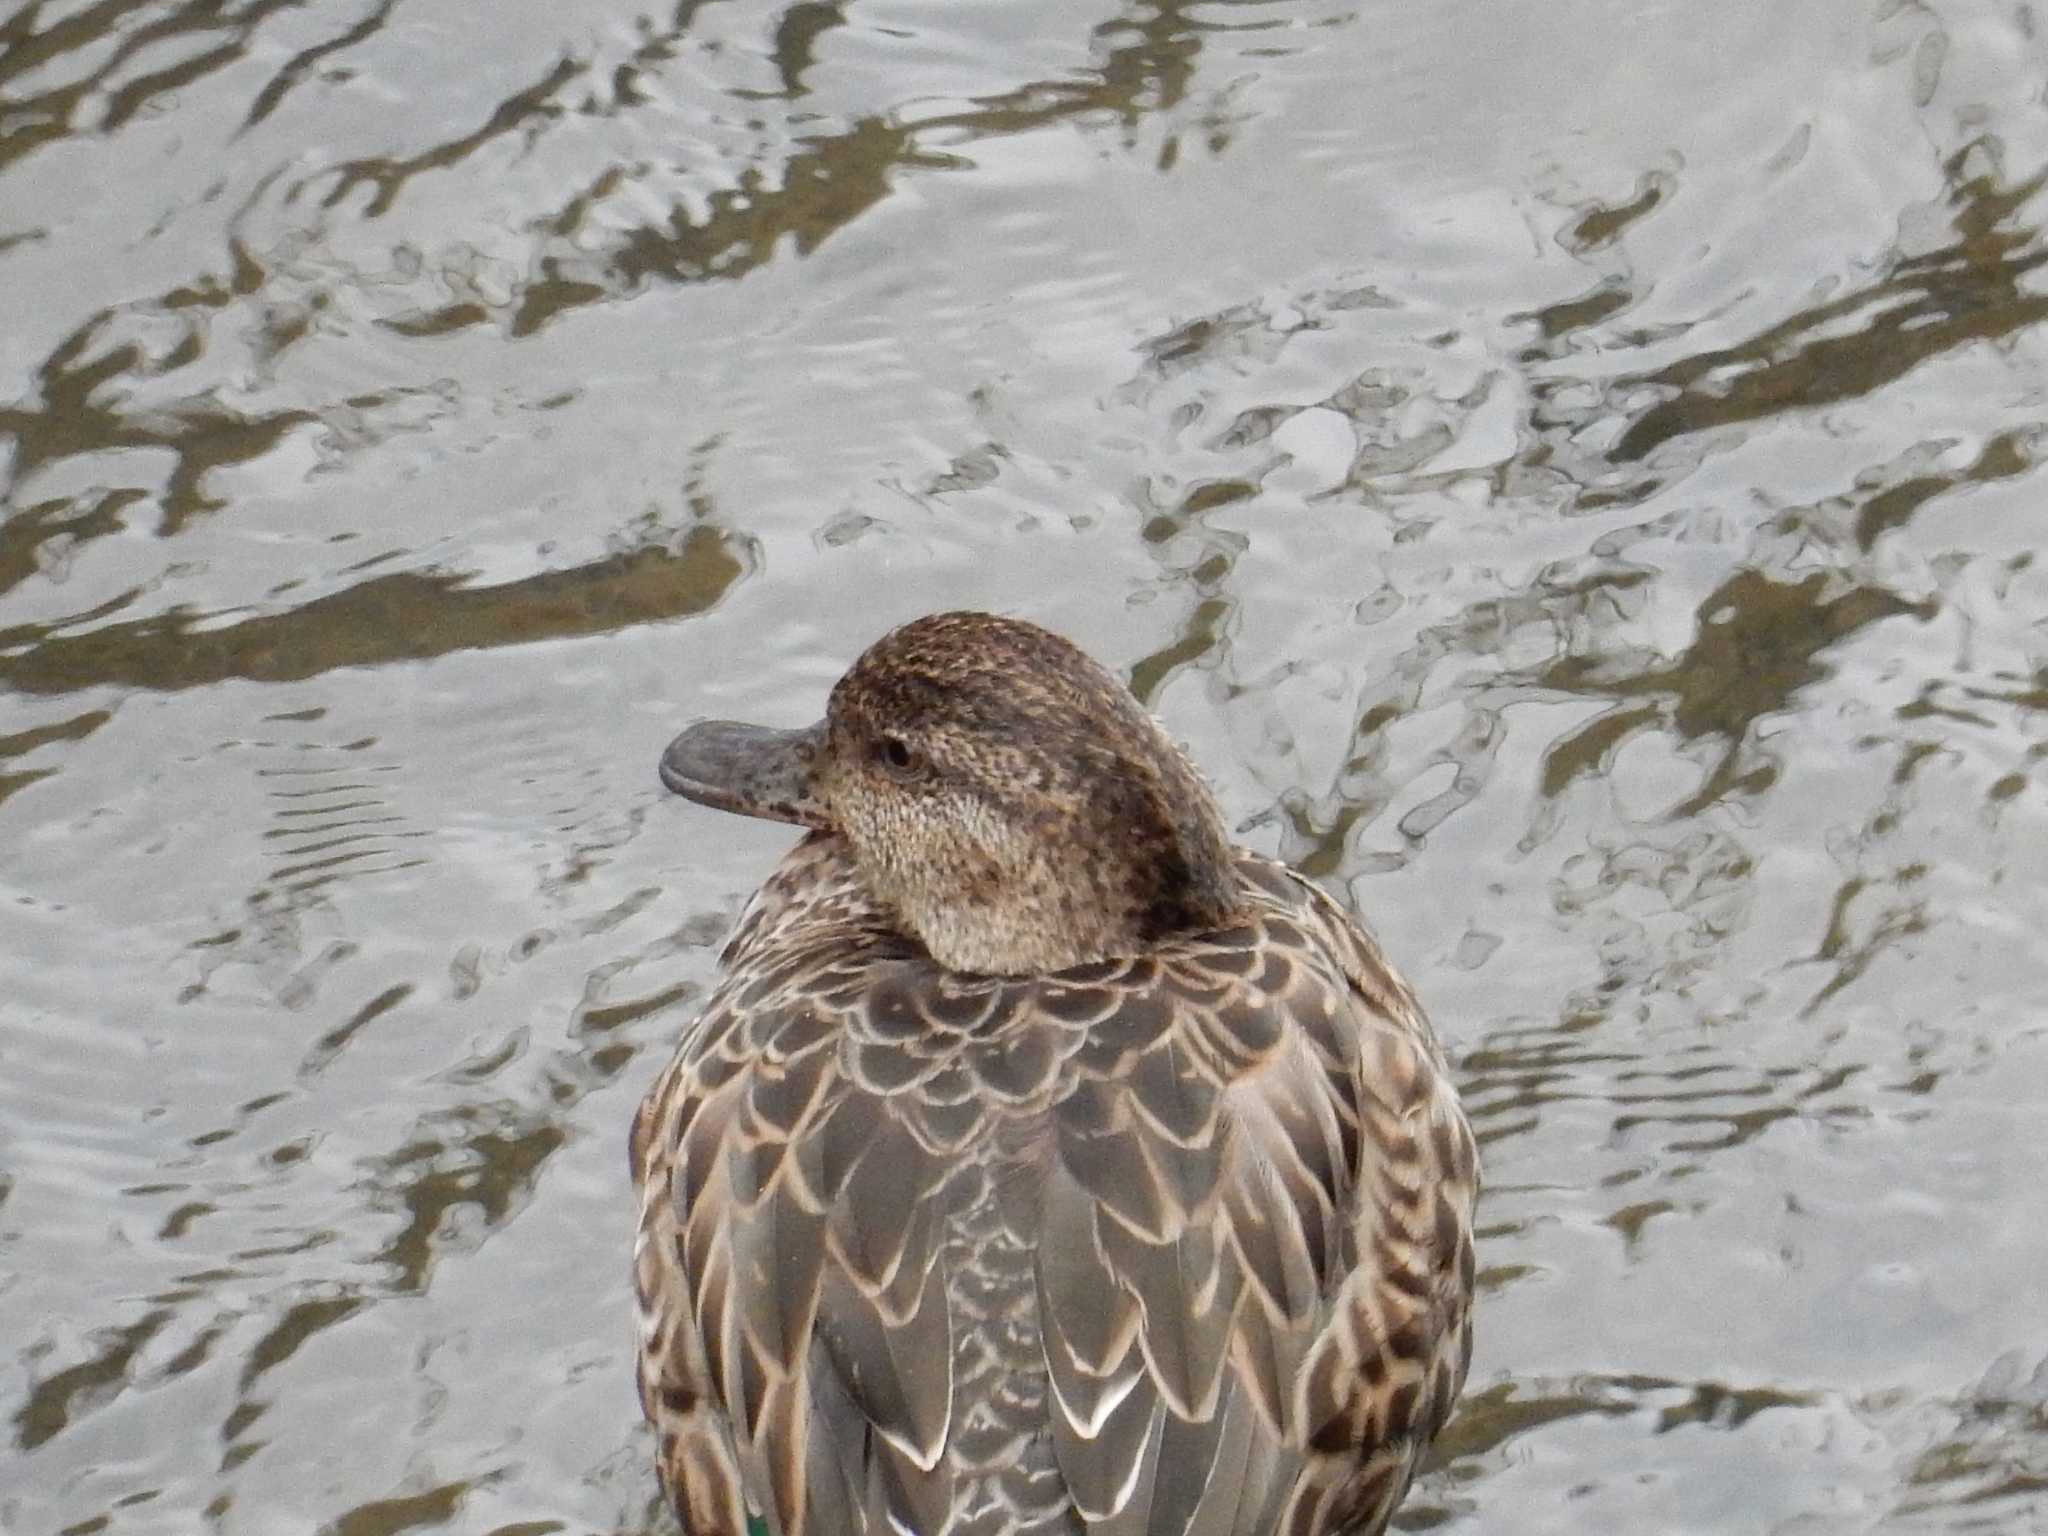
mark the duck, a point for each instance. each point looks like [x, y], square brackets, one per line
[1040, 1162]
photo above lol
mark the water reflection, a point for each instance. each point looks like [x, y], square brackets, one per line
[1755, 648]
[1930, 302]
[401, 616]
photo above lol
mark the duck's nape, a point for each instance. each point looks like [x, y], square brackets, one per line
[1006, 800]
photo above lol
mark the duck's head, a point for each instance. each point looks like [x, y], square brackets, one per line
[1006, 800]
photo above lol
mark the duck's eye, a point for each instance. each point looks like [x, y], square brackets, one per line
[896, 753]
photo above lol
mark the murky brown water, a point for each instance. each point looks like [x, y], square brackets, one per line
[1572, 471]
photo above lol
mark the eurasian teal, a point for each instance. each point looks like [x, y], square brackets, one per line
[1042, 1162]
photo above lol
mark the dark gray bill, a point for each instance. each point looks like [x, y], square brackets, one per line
[748, 769]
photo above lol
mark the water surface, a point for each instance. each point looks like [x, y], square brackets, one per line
[1572, 472]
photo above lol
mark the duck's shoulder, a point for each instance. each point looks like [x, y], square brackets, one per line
[813, 961]
[1295, 917]
[812, 940]
[814, 899]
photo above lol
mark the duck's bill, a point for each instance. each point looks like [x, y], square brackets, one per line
[747, 769]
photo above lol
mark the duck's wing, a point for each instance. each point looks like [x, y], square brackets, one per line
[681, 1382]
[832, 1304]
[1385, 1372]
[1256, 1262]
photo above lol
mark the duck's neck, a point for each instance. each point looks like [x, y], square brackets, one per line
[1023, 903]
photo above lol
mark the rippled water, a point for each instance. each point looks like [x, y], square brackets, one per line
[1572, 471]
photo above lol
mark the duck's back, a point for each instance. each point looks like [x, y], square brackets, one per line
[1178, 1244]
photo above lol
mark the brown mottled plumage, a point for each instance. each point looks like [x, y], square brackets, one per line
[1042, 1164]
